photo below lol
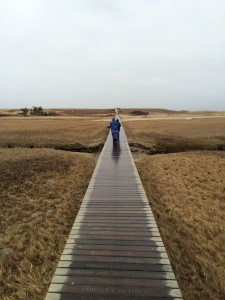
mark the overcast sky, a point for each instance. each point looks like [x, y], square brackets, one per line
[112, 53]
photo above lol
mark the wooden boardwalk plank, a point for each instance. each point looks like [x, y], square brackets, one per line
[114, 250]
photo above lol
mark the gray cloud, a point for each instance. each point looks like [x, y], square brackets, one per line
[84, 53]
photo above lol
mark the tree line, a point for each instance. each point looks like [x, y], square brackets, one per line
[34, 111]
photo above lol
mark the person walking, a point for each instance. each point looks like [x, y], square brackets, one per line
[114, 130]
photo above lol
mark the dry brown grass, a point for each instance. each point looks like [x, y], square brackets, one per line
[41, 192]
[84, 112]
[166, 136]
[151, 111]
[52, 132]
[163, 114]
[68, 112]
[186, 192]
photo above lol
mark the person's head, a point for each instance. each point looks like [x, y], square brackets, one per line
[113, 119]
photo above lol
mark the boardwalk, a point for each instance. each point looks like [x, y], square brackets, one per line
[114, 251]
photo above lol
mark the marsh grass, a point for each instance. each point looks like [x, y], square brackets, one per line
[42, 189]
[41, 192]
[171, 136]
[64, 112]
[52, 132]
[186, 193]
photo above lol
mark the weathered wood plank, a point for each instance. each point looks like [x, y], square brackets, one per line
[156, 252]
[72, 296]
[149, 233]
[111, 290]
[91, 280]
[117, 259]
[115, 266]
[138, 248]
[166, 275]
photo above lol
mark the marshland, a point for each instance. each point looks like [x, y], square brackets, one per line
[46, 164]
